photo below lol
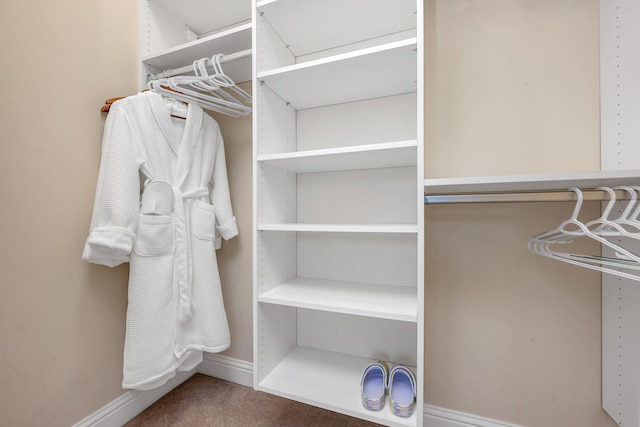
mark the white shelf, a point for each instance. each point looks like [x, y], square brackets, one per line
[370, 156]
[342, 228]
[363, 299]
[328, 380]
[205, 16]
[229, 41]
[340, 22]
[533, 182]
[347, 77]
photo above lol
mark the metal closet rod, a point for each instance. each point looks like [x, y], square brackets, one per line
[548, 196]
[189, 68]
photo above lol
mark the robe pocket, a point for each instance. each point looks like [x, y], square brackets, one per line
[204, 223]
[156, 235]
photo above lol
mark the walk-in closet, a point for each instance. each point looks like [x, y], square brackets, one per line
[434, 198]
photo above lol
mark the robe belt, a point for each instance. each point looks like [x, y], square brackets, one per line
[183, 260]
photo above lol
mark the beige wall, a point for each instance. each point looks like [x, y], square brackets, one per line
[511, 337]
[235, 257]
[61, 320]
[511, 88]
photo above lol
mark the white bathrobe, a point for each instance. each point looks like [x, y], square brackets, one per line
[168, 235]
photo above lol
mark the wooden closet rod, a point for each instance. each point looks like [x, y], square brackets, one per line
[549, 196]
[189, 68]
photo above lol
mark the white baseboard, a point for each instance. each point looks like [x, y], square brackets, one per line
[435, 416]
[132, 403]
[227, 368]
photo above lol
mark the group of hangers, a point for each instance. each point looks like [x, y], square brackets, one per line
[557, 243]
[213, 91]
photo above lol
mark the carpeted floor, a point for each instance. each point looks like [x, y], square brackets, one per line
[203, 401]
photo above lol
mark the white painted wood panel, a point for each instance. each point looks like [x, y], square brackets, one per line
[378, 120]
[380, 258]
[275, 123]
[276, 195]
[362, 336]
[277, 263]
[278, 329]
[370, 196]
[620, 150]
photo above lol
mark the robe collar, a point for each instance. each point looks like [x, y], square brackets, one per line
[185, 148]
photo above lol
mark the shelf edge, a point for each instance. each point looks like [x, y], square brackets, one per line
[337, 58]
[528, 182]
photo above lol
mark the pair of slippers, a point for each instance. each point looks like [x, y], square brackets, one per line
[399, 383]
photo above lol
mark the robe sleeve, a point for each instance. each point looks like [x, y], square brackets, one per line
[116, 206]
[226, 226]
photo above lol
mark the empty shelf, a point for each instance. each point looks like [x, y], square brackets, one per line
[347, 77]
[350, 21]
[370, 156]
[364, 299]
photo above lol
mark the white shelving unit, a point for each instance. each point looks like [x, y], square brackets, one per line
[338, 171]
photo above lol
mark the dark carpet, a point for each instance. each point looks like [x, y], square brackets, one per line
[211, 402]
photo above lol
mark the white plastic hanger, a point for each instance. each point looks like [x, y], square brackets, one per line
[171, 87]
[209, 91]
[572, 228]
[628, 219]
[213, 84]
[244, 95]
